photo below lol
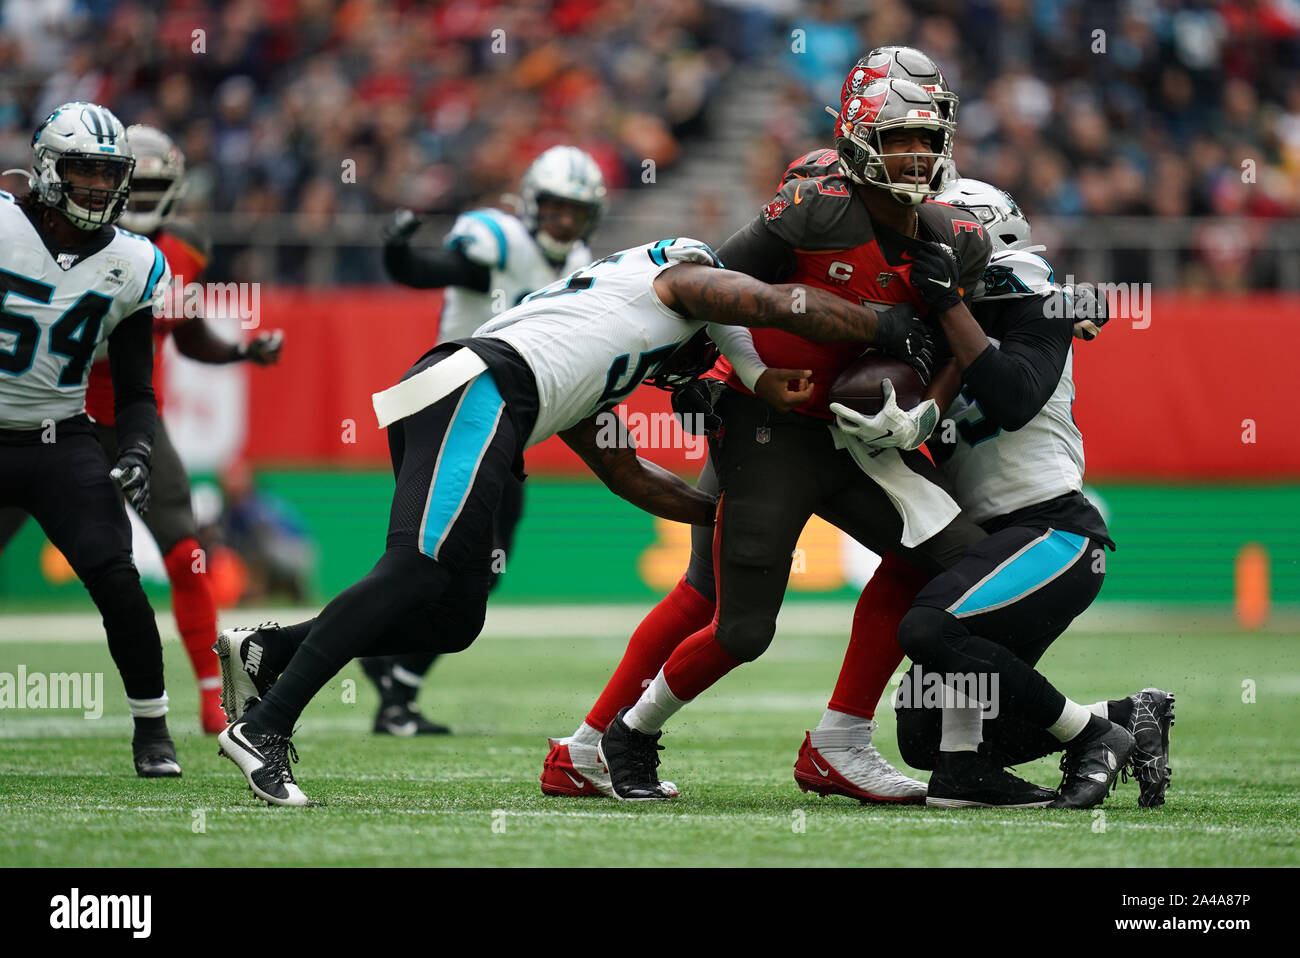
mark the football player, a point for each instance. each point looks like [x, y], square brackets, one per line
[846, 227]
[157, 183]
[1016, 464]
[572, 767]
[489, 262]
[70, 279]
[458, 424]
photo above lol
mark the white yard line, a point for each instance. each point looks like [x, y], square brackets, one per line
[903, 817]
[617, 621]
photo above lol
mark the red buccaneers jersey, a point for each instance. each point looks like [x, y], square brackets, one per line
[187, 255]
[836, 247]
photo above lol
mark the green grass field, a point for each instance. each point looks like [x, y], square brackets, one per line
[68, 796]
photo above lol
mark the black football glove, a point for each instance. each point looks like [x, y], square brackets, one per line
[935, 271]
[693, 406]
[1089, 311]
[400, 228]
[132, 474]
[263, 349]
[903, 336]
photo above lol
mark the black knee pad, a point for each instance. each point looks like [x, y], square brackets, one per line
[746, 637]
[922, 632]
[457, 631]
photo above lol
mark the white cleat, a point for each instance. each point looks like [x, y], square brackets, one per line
[263, 757]
[844, 762]
[243, 680]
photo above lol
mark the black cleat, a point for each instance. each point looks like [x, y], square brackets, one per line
[631, 759]
[155, 758]
[971, 780]
[1091, 767]
[405, 721]
[263, 757]
[1152, 717]
[244, 678]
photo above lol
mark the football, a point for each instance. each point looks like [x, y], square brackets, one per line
[859, 386]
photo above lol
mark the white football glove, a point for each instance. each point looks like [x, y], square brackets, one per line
[891, 427]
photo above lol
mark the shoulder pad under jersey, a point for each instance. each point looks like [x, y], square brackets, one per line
[483, 237]
[816, 163]
[816, 213]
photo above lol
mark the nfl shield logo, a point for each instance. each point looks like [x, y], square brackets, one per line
[884, 279]
[67, 260]
[763, 435]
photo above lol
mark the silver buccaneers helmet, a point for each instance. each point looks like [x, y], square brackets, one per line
[82, 139]
[563, 173]
[158, 180]
[883, 106]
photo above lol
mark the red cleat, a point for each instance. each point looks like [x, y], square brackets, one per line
[560, 776]
[853, 768]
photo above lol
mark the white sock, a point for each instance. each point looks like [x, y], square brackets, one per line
[1100, 709]
[147, 708]
[656, 705]
[1072, 720]
[584, 734]
[831, 719]
[963, 729]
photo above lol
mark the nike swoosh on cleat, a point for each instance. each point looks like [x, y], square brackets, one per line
[238, 736]
[825, 771]
[578, 782]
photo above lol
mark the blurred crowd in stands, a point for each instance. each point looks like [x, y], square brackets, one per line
[316, 108]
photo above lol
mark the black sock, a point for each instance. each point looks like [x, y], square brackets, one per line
[1096, 726]
[402, 582]
[150, 729]
[278, 645]
[1119, 711]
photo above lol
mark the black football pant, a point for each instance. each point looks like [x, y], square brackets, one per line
[775, 471]
[990, 618]
[428, 591]
[509, 512]
[65, 486]
[170, 518]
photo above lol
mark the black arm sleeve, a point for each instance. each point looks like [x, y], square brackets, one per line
[1011, 383]
[130, 359]
[434, 268]
[758, 252]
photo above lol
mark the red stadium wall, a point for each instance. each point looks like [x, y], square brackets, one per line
[1167, 401]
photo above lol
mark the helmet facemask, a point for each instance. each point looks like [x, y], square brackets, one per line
[885, 106]
[87, 207]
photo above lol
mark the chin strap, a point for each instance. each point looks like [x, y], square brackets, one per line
[31, 177]
[554, 250]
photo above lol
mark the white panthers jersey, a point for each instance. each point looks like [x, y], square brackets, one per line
[994, 471]
[500, 242]
[591, 338]
[54, 313]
